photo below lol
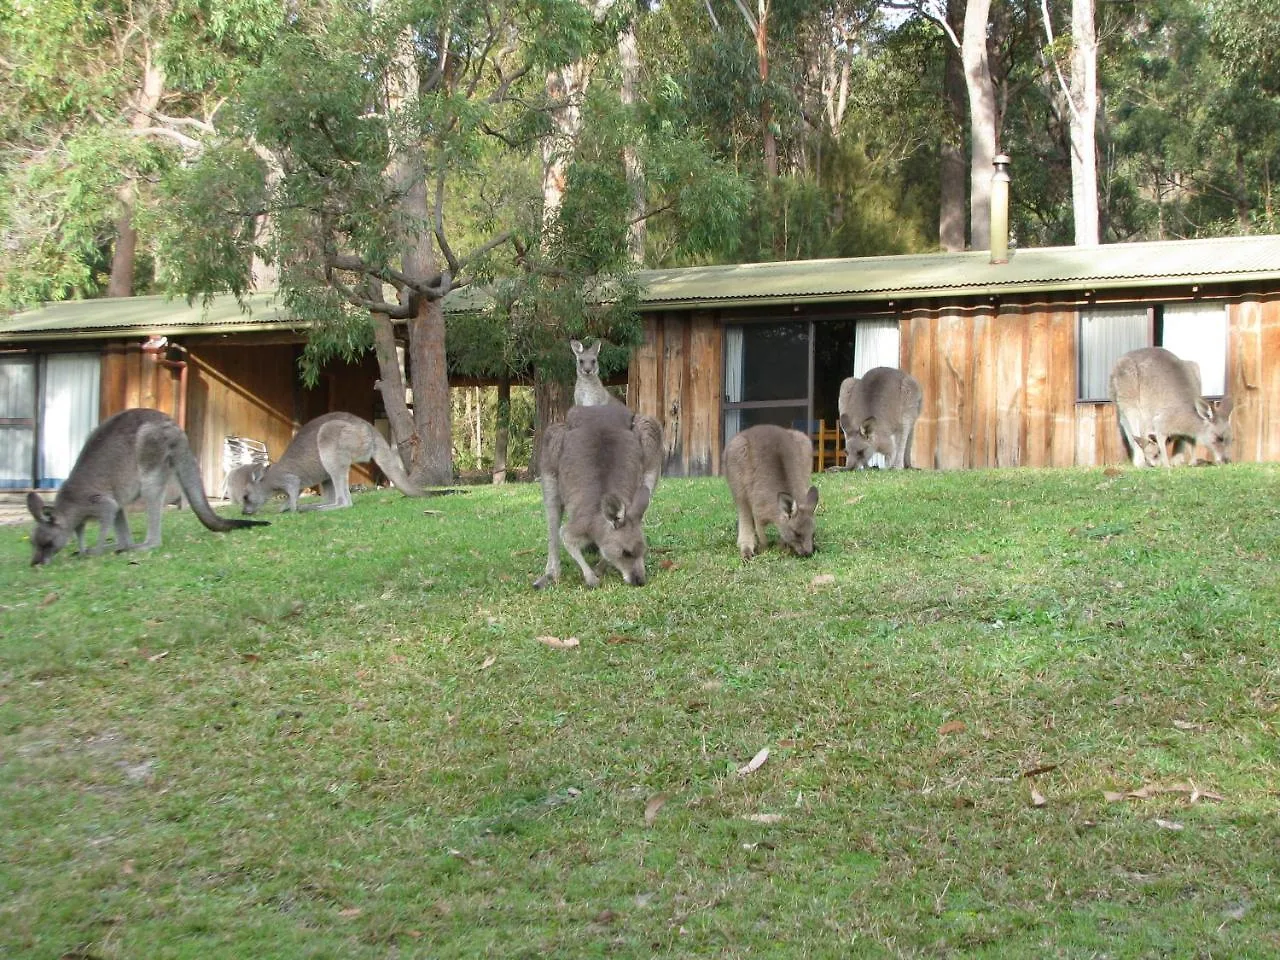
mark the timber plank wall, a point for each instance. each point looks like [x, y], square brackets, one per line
[999, 383]
[237, 388]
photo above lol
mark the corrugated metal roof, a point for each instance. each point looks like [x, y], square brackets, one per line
[920, 276]
[139, 316]
[937, 275]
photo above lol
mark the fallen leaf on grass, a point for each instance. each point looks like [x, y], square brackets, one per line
[617, 638]
[823, 580]
[1037, 798]
[1167, 824]
[350, 913]
[754, 764]
[1187, 725]
[1149, 790]
[157, 656]
[250, 657]
[952, 726]
[764, 817]
[49, 598]
[669, 565]
[555, 643]
[656, 803]
[489, 661]
[1111, 796]
[1113, 472]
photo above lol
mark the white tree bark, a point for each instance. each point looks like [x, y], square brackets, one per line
[982, 119]
[629, 59]
[1084, 113]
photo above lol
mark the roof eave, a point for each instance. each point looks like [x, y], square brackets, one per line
[976, 291]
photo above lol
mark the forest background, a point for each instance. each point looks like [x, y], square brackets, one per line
[369, 158]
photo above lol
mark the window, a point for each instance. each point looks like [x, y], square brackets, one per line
[766, 375]
[48, 408]
[1193, 331]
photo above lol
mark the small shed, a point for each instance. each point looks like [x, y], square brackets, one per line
[1013, 358]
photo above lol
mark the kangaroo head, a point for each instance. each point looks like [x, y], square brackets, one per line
[860, 444]
[621, 541]
[795, 521]
[588, 358]
[245, 486]
[50, 534]
[1215, 427]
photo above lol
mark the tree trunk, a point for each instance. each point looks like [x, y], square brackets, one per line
[552, 400]
[982, 119]
[766, 113]
[566, 86]
[951, 199]
[1084, 113]
[428, 367]
[391, 387]
[124, 252]
[629, 58]
[502, 430]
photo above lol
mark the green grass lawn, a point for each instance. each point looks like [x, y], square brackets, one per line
[340, 736]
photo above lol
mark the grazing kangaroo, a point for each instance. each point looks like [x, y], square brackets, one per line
[588, 391]
[768, 469]
[128, 457]
[878, 413]
[321, 454]
[593, 469]
[1157, 398]
[647, 430]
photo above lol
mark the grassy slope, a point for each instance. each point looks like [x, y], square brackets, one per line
[284, 743]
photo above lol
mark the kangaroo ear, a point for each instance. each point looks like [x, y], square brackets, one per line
[1204, 409]
[811, 499]
[615, 511]
[1224, 408]
[39, 509]
[576, 346]
[786, 505]
[257, 474]
[868, 427]
[640, 502]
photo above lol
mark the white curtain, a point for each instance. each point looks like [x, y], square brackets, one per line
[1198, 331]
[1106, 334]
[69, 412]
[876, 343]
[17, 402]
[732, 380]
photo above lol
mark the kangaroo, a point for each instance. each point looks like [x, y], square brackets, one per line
[768, 469]
[321, 454]
[593, 469]
[878, 413]
[128, 457]
[588, 391]
[647, 430]
[1157, 398]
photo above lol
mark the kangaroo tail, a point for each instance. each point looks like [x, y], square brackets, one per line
[389, 462]
[188, 473]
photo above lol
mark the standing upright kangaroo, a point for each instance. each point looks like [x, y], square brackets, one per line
[768, 469]
[128, 457]
[1157, 398]
[593, 469]
[321, 453]
[588, 390]
[878, 413]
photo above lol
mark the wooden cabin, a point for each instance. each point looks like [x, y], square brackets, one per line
[1013, 358]
[219, 371]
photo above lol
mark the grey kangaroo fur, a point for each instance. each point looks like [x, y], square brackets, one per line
[588, 391]
[321, 453]
[768, 470]
[1157, 398]
[593, 470]
[878, 413]
[128, 457]
[647, 430]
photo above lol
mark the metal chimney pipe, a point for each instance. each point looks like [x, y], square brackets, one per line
[1000, 209]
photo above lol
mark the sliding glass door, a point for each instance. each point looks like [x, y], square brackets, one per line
[17, 421]
[48, 408]
[768, 368]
